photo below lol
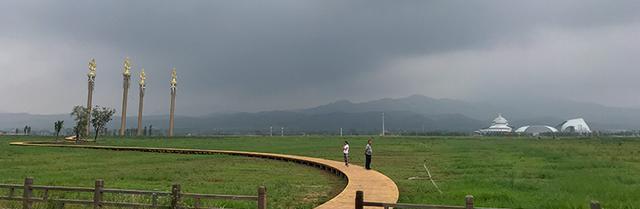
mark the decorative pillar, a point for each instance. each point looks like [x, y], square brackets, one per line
[173, 83]
[142, 85]
[126, 76]
[91, 83]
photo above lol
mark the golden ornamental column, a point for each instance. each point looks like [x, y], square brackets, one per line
[126, 76]
[173, 84]
[142, 85]
[91, 83]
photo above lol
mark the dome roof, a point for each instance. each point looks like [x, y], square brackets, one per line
[500, 125]
[577, 125]
[536, 129]
[500, 120]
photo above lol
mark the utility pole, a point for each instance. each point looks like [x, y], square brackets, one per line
[383, 124]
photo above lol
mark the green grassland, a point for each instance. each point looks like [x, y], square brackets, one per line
[508, 172]
[288, 185]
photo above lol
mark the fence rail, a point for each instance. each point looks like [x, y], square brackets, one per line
[28, 198]
[468, 200]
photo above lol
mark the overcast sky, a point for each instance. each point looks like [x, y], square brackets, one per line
[279, 54]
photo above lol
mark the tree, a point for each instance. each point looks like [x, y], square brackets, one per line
[58, 126]
[81, 117]
[27, 130]
[100, 116]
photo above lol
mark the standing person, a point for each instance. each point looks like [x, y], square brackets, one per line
[345, 151]
[367, 154]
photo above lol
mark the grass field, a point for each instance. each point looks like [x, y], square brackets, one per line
[499, 172]
[289, 185]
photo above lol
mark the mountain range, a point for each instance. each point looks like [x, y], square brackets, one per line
[408, 114]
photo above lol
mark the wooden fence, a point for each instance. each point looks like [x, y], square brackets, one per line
[175, 195]
[468, 200]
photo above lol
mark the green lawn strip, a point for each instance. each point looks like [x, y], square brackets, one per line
[289, 185]
[515, 172]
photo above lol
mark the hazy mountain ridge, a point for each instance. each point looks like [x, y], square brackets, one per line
[415, 103]
[413, 113]
[11, 121]
[520, 111]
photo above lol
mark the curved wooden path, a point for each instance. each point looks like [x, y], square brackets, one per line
[378, 187]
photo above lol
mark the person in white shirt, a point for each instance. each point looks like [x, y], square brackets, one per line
[345, 151]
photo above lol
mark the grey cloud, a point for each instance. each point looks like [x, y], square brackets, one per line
[256, 55]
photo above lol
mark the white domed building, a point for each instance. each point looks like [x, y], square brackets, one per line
[500, 125]
[577, 125]
[536, 129]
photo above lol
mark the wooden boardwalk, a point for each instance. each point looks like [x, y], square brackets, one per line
[376, 186]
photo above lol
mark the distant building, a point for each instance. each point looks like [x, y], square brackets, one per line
[536, 129]
[577, 125]
[500, 125]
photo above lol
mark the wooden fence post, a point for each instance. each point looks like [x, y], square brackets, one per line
[262, 197]
[359, 200]
[175, 196]
[154, 200]
[97, 194]
[468, 201]
[12, 191]
[45, 195]
[196, 203]
[595, 204]
[28, 193]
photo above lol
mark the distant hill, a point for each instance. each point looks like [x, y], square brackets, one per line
[520, 111]
[11, 121]
[356, 122]
[416, 103]
[413, 113]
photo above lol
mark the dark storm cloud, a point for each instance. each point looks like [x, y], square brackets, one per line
[255, 55]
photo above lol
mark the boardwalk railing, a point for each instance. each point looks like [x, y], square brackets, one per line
[175, 195]
[468, 200]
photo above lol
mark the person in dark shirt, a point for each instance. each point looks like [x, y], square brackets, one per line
[367, 154]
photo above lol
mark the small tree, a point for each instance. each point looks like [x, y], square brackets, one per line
[100, 116]
[58, 126]
[81, 117]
